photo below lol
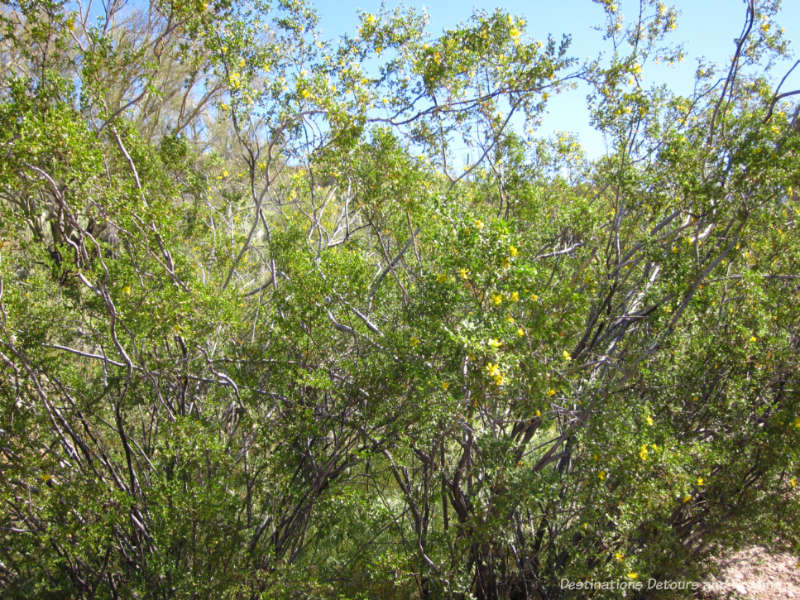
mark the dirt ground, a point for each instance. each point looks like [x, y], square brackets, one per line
[755, 574]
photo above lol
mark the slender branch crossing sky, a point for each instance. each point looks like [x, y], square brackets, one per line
[706, 28]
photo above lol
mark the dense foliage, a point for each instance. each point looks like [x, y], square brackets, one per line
[266, 333]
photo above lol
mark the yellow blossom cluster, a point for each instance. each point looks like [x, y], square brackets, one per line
[494, 372]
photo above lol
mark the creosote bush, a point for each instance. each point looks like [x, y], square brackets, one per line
[264, 333]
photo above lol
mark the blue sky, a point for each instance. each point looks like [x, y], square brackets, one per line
[705, 28]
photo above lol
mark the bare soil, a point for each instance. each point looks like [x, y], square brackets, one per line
[754, 573]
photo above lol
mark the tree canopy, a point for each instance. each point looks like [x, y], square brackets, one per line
[283, 317]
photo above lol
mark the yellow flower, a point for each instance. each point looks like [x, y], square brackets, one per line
[464, 273]
[515, 296]
[534, 297]
[633, 575]
[497, 298]
[478, 224]
[494, 372]
[619, 556]
[551, 392]
[520, 332]
[512, 250]
[793, 481]
[445, 385]
[127, 290]
[643, 452]
[753, 339]
[495, 343]
[601, 475]
[687, 498]
[699, 482]
[566, 355]
[649, 420]
[538, 413]
[414, 341]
